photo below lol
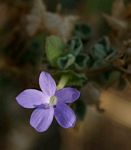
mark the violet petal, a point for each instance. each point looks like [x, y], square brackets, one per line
[65, 116]
[41, 119]
[47, 83]
[67, 95]
[31, 98]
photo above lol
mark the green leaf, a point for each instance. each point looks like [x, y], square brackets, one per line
[82, 61]
[54, 49]
[97, 64]
[105, 42]
[102, 50]
[66, 61]
[101, 54]
[98, 52]
[77, 79]
[75, 45]
[83, 31]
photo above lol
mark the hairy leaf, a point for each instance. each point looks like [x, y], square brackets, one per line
[54, 49]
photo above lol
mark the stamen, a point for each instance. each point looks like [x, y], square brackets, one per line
[53, 100]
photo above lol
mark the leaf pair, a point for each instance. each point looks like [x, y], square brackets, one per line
[74, 47]
[70, 55]
[57, 54]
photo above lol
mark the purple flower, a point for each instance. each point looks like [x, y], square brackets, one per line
[49, 102]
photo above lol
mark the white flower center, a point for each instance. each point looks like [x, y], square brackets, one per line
[53, 100]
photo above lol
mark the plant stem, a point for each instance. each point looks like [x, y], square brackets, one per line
[63, 81]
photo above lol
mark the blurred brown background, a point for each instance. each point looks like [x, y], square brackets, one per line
[20, 20]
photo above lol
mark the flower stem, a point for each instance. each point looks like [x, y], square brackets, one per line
[63, 81]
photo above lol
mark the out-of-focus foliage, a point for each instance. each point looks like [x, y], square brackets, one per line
[101, 54]
[99, 5]
[34, 50]
[80, 109]
[83, 31]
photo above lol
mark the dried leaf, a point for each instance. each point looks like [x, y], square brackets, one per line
[115, 23]
[40, 18]
[118, 8]
[35, 18]
[60, 25]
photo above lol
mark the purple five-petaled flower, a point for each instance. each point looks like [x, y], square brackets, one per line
[48, 103]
